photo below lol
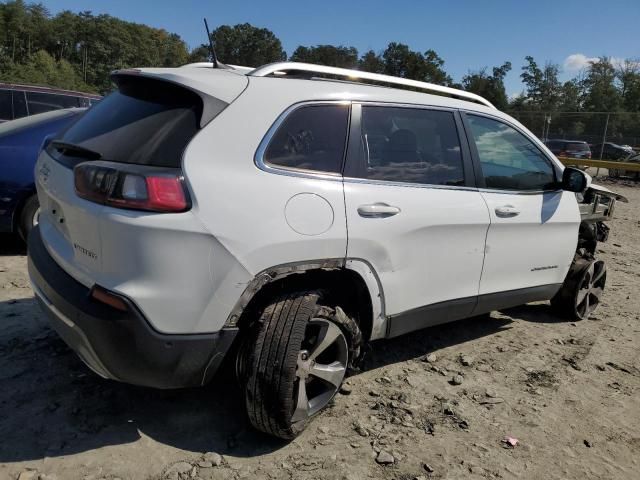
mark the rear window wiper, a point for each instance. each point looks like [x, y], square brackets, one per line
[73, 150]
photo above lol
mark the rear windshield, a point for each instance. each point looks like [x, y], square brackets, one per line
[577, 147]
[145, 122]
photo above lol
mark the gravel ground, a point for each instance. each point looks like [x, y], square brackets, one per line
[568, 392]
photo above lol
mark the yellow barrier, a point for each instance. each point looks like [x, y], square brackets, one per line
[630, 167]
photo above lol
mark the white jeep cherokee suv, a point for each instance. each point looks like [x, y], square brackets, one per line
[288, 214]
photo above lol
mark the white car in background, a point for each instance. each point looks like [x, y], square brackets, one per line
[288, 214]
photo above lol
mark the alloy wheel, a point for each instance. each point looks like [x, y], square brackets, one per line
[321, 368]
[590, 288]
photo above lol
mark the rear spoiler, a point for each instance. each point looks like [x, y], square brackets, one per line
[216, 95]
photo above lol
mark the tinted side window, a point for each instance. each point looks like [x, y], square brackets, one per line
[409, 145]
[509, 160]
[6, 110]
[45, 102]
[311, 138]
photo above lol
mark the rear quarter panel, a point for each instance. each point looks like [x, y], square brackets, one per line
[243, 207]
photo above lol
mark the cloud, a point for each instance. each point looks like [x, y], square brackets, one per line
[578, 61]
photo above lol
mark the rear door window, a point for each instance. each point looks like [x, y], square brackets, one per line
[409, 145]
[145, 122]
[312, 137]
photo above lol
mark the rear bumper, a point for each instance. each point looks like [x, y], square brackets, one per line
[121, 345]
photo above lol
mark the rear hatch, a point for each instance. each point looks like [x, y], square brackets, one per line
[140, 129]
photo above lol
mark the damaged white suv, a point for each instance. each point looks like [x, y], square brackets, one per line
[288, 214]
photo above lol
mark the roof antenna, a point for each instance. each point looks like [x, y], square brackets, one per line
[214, 59]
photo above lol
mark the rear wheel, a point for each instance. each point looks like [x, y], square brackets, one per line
[580, 294]
[294, 362]
[28, 216]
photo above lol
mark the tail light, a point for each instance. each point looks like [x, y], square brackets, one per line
[131, 187]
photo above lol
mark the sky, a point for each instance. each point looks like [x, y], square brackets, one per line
[467, 34]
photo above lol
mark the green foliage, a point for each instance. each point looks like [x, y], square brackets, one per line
[371, 62]
[400, 61]
[78, 50]
[600, 85]
[488, 86]
[542, 85]
[245, 45]
[344, 57]
[603, 88]
[42, 69]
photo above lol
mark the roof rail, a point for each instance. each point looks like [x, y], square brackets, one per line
[240, 68]
[283, 67]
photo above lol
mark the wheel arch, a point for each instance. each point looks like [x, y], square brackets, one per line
[353, 284]
[24, 196]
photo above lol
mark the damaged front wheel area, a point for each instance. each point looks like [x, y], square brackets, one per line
[582, 289]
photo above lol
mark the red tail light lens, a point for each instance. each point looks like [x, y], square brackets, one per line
[166, 192]
[137, 189]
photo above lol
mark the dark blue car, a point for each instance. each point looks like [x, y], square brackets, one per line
[20, 142]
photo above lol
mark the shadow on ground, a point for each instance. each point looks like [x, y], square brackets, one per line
[55, 406]
[11, 245]
[535, 313]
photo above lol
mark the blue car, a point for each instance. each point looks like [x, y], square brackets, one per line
[20, 142]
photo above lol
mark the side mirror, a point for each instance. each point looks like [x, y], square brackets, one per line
[575, 180]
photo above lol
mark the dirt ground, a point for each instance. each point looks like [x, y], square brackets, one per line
[567, 391]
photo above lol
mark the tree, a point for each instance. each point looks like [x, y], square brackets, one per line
[628, 74]
[488, 86]
[400, 61]
[543, 89]
[602, 94]
[200, 54]
[84, 48]
[43, 69]
[571, 95]
[371, 62]
[434, 69]
[246, 45]
[344, 57]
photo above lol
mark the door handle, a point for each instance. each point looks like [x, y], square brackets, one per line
[377, 210]
[507, 211]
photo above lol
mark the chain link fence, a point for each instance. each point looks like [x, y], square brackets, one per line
[621, 128]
